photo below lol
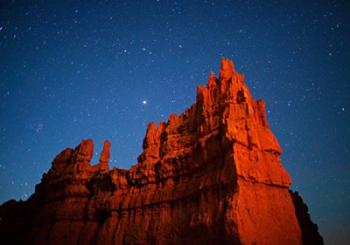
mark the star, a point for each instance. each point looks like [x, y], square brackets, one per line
[144, 102]
[39, 127]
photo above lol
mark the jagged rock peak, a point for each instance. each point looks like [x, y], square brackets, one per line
[105, 155]
[227, 69]
[84, 151]
[211, 175]
[212, 81]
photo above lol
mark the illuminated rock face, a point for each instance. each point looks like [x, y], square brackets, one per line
[211, 175]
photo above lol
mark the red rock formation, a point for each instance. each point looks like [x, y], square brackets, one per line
[211, 175]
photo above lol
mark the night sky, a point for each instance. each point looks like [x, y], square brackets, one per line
[104, 69]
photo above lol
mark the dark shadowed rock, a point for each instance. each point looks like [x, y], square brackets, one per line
[310, 233]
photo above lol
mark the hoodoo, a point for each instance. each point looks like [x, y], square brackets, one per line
[211, 175]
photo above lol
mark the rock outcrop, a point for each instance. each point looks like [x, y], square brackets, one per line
[211, 175]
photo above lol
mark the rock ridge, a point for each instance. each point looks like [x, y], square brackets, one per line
[210, 175]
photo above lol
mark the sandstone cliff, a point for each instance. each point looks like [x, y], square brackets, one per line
[211, 175]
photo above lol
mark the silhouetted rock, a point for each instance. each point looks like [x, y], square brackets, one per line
[310, 233]
[211, 175]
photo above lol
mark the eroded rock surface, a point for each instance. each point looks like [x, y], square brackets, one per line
[211, 175]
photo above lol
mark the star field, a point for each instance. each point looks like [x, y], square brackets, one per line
[71, 70]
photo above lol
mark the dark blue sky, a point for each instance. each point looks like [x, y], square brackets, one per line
[104, 69]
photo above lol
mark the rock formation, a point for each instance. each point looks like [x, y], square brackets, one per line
[211, 175]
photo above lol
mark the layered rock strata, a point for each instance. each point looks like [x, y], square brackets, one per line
[211, 175]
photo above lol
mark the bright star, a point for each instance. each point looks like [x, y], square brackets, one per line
[144, 102]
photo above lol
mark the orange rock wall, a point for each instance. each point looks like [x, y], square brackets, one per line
[211, 175]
